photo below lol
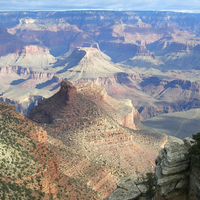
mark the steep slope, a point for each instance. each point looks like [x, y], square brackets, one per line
[153, 92]
[24, 160]
[81, 45]
[37, 56]
[121, 51]
[177, 94]
[121, 111]
[29, 168]
[25, 86]
[77, 117]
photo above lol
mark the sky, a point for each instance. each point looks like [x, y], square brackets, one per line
[61, 5]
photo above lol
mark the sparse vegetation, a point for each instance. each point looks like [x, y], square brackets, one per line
[149, 181]
[194, 151]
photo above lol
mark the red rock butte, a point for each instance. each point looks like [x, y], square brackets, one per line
[87, 121]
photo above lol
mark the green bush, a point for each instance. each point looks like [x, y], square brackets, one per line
[194, 151]
[151, 191]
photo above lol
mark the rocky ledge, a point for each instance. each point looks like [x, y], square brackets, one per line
[171, 170]
[175, 177]
[129, 188]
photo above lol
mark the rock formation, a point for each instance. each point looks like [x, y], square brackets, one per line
[102, 46]
[120, 110]
[176, 177]
[129, 188]
[172, 171]
[67, 89]
[86, 119]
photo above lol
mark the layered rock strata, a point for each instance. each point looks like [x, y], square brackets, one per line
[176, 176]
[172, 170]
[29, 161]
[121, 110]
[101, 148]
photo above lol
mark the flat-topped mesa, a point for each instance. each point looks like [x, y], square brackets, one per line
[67, 89]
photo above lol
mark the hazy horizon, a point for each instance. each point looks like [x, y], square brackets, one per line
[188, 6]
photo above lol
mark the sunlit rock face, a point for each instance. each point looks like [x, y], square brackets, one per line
[100, 127]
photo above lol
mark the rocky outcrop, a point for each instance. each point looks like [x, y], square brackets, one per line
[129, 188]
[86, 122]
[67, 89]
[176, 177]
[172, 170]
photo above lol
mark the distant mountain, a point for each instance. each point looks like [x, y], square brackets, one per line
[39, 49]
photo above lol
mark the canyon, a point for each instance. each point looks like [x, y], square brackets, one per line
[147, 57]
[89, 147]
[88, 80]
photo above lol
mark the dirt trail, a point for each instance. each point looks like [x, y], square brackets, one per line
[197, 112]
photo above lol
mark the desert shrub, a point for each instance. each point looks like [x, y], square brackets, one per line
[149, 180]
[194, 151]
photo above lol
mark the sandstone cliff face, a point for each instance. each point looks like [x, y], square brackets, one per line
[25, 72]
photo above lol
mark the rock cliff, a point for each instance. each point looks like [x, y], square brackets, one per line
[172, 171]
[81, 45]
[86, 119]
[176, 178]
[129, 188]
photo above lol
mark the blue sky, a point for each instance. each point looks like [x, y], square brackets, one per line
[156, 5]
